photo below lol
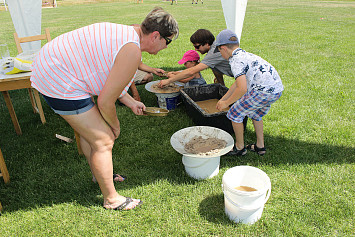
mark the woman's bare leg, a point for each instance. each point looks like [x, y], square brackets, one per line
[98, 144]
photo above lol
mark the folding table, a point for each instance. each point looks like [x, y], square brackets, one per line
[15, 82]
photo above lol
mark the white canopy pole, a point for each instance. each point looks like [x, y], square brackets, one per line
[5, 5]
[234, 12]
[26, 16]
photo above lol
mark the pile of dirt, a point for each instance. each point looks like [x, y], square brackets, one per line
[204, 146]
[170, 88]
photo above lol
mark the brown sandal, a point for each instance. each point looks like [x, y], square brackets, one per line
[116, 178]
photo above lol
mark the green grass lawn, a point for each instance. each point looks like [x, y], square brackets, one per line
[309, 134]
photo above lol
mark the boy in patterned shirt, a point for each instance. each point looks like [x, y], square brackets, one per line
[257, 85]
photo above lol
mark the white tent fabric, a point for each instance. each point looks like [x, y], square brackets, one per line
[26, 16]
[234, 12]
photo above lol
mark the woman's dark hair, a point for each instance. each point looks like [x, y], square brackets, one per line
[202, 36]
[161, 21]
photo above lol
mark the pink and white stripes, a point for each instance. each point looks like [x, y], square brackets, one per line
[76, 64]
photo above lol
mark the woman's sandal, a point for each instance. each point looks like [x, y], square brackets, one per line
[236, 152]
[260, 151]
[123, 205]
[116, 178]
[119, 178]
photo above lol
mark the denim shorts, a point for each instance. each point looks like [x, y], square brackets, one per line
[69, 107]
[196, 82]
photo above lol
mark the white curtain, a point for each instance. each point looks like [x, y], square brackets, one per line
[234, 12]
[26, 16]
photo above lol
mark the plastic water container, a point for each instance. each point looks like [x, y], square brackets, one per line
[168, 101]
[245, 206]
[201, 168]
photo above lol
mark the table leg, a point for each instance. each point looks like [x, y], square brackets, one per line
[39, 106]
[77, 139]
[10, 107]
[4, 172]
[35, 110]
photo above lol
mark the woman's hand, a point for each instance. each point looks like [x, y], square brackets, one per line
[138, 107]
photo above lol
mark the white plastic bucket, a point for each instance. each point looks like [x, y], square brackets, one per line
[168, 101]
[243, 206]
[201, 168]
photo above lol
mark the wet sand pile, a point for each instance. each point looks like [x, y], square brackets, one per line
[204, 146]
[170, 88]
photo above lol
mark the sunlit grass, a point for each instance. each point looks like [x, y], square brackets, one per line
[308, 133]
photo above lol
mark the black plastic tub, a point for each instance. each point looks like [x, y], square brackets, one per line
[191, 95]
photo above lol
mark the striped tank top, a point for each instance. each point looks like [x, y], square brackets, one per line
[75, 65]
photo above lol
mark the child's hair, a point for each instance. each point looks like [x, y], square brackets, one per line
[202, 36]
[196, 62]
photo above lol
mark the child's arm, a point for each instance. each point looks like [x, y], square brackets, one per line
[235, 92]
[186, 79]
[146, 68]
[169, 74]
[196, 75]
[183, 74]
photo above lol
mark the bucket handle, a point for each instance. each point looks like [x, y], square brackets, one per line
[241, 207]
[185, 164]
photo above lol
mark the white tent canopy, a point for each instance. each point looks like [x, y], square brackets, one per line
[26, 16]
[234, 12]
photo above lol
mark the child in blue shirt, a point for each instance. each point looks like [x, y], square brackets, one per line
[257, 85]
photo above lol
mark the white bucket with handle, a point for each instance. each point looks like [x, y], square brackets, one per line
[168, 101]
[246, 190]
[201, 168]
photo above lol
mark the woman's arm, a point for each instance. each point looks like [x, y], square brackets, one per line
[136, 106]
[122, 72]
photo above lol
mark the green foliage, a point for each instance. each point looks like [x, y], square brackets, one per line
[309, 134]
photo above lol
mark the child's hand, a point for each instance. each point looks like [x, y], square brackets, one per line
[159, 72]
[221, 105]
[170, 74]
[163, 83]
